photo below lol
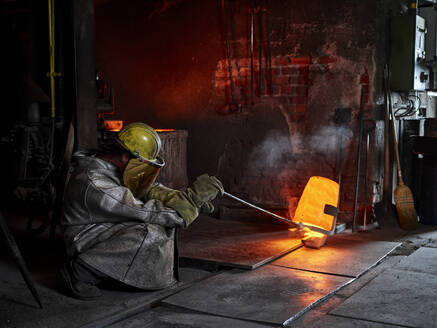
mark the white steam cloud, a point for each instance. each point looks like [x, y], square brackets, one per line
[326, 140]
[272, 152]
[276, 150]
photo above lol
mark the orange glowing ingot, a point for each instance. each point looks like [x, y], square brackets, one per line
[310, 210]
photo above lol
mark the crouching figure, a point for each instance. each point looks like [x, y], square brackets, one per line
[118, 222]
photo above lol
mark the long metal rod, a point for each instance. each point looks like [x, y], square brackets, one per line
[260, 209]
[269, 52]
[233, 38]
[15, 251]
[360, 142]
[252, 95]
[260, 48]
[387, 192]
[52, 74]
[340, 166]
[395, 144]
[228, 51]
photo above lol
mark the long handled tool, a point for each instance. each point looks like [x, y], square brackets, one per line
[368, 209]
[342, 117]
[268, 52]
[387, 190]
[19, 259]
[261, 209]
[260, 48]
[402, 195]
[228, 23]
[360, 142]
[233, 106]
[252, 78]
[328, 210]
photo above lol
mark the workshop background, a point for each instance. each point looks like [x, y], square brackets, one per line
[252, 87]
[175, 74]
[263, 94]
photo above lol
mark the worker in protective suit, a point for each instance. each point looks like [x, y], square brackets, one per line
[118, 223]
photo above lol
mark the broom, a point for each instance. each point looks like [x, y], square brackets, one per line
[403, 196]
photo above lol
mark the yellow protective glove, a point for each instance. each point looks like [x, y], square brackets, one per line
[205, 188]
[207, 208]
[164, 194]
[188, 203]
[139, 176]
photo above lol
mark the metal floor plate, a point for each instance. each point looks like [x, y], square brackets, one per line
[395, 297]
[18, 309]
[422, 260]
[340, 256]
[235, 244]
[340, 322]
[269, 294]
[162, 317]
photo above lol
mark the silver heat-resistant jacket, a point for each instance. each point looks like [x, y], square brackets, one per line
[127, 239]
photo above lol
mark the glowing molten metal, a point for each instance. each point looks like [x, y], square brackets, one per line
[310, 210]
[165, 130]
[113, 125]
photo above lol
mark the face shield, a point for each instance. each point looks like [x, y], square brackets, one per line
[139, 176]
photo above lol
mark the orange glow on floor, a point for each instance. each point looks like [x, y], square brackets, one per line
[318, 192]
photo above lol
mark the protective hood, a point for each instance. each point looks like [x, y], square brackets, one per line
[139, 176]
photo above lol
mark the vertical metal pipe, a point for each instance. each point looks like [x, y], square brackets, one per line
[401, 140]
[340, 157]
[252, 96]
[360, 141]
[260, 47]
[228, 51]
[366, 178]
[52, 74]
[386, 183]
[268, 52]
[234, 47]
[86, 120]
[340, 167]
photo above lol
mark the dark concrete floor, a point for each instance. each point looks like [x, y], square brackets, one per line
[364, 292]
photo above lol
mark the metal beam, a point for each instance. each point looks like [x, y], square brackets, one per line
[86, 95]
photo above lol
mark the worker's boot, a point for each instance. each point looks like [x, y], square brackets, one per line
[80, 280]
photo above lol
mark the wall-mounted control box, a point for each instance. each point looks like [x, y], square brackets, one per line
[407, 54]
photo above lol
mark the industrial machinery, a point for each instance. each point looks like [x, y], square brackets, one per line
[412, 89]
[407, 60]
[31, 149]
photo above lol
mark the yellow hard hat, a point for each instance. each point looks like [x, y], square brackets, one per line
[141, 141]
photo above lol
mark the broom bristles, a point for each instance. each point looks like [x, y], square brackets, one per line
[405, 207]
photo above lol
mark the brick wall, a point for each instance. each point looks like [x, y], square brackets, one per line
[300, 85]
[289, 82]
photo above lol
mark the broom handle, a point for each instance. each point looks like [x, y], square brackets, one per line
[395, 144]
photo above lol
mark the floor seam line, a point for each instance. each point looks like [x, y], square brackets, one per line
[367, 320]
[313, 271]
[171, 305]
